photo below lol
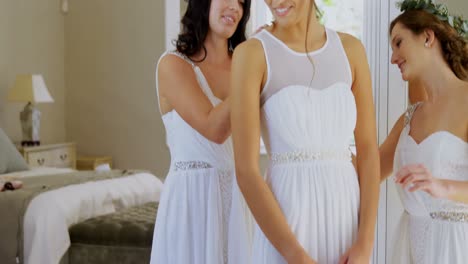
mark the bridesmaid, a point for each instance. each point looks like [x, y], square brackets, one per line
[192, 224]
[427, 148]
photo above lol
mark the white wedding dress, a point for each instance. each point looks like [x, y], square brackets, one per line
[194, 217]
[431, 230]
[307, 126]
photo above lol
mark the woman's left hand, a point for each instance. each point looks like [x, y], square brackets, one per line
[357, 254]
[418, 177]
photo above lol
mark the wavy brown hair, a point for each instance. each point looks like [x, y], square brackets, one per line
[454, 47]
[195, 26]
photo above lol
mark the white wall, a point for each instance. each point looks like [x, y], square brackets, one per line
[32, 41]
[112, 47]
[459, 7]
[172, 21]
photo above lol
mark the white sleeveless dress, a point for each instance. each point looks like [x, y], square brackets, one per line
[192, 223]
[431, 230]
[307, 126]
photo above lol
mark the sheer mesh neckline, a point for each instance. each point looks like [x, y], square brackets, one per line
[314, 52]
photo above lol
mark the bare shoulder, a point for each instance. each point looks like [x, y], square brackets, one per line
[351, 43]
[249, 49]
[248, 66]
[249, 57]
[174, 64]
[354, 50]
[171, 70]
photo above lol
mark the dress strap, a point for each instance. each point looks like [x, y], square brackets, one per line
[175, 53]
[199, 74]
[157, 82]
[203, 83]
[410, 111]
[182, 56]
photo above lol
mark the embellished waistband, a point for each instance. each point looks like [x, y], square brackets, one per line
[197, 165]
[191, 165]
[451, 216]
[307, 155]
[458, 217]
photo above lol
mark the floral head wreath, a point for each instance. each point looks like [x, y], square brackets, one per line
[440, 11]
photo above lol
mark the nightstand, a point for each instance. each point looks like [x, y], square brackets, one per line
[90, 163]
[55, 155]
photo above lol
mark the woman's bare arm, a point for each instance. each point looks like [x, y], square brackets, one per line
[179, 90]
[248, 69]
[367, 159]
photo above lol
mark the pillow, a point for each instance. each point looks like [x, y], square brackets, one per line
[10, 159]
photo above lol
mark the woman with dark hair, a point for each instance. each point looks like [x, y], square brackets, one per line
[427, 148]
[307, 89]
[192, 224]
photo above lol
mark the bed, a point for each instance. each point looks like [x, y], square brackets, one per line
[36, 218]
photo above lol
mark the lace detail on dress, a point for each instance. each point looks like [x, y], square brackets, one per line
[419, 228]
[410, 111]
[455, 170]
[225, 183]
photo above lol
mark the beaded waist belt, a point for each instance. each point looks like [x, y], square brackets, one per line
[459, 217]
[306, 155]
[449, 215]
[197, 165]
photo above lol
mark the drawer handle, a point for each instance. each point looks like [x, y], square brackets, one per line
[63, 157]
[40, 161]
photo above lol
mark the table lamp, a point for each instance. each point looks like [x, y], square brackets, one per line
[30, 88]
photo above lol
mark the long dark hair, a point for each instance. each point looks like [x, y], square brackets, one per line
[454, 47]
[195, 26]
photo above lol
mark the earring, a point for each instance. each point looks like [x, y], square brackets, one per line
[426, 45]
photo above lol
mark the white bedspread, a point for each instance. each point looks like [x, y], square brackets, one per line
[50, 214]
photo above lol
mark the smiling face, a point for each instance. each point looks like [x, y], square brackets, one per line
[287, 12]
[225, 16]
[409, 52]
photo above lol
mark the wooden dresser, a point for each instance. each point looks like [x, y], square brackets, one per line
[55, 155]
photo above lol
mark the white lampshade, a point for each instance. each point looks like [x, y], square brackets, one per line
[30, 88]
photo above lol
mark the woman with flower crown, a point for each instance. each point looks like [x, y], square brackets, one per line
[427, 148]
